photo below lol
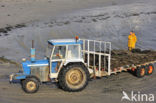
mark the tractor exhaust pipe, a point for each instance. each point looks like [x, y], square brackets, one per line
[32, 52]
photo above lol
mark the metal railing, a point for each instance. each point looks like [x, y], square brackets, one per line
[97, 55]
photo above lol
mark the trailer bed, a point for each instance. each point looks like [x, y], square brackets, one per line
[124, 57]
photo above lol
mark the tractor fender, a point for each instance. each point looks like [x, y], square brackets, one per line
[81, 63]
[73, 61]
[32, 76]
[89, 70]
[70, 63]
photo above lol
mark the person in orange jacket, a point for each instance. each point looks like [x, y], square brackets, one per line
[132, 39]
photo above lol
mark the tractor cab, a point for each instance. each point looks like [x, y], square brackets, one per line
[61, 52]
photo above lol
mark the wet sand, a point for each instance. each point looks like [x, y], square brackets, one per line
[21, 11]
[104, 90]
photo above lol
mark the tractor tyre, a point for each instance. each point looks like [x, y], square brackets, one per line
[140, 72]
[149, 69]
[30, 85]
[73, 77]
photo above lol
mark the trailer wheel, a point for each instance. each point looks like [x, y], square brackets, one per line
[30, 85]
[149, 69]
[73, 78]
[140, 71]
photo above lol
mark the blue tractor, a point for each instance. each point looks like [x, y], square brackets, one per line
[64, 64]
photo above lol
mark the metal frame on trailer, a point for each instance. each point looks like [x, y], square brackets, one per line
[102, 50]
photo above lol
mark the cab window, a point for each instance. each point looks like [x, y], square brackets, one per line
[59, 52]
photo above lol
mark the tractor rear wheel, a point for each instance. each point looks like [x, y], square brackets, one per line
[30, 85]
[73, 78]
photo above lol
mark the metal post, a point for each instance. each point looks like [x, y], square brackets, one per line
[100, 59]
[94, 54]
[109, 71]
[88, 54]
[100, 65]
[94, 68]
[32, 43]
[100, 46]
[110, 48]
[104, 56]
[84, 49]
[105, 48]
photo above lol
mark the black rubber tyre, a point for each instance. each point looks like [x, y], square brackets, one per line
[30, 85]
[140, 72]
[149, 69]
[73, 77]
[146, 69]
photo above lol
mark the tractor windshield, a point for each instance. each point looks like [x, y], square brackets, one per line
[49, 50]
[59, 52]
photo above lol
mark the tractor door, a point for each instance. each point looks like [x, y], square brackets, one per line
[57, 57]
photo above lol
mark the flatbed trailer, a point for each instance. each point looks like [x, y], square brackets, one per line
[97, 56]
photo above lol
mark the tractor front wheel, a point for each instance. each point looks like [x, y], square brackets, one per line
[73, 77]
[30, 85]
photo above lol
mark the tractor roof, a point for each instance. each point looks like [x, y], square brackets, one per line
[64, 41]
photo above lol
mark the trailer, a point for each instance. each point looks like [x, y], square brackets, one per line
[72, 63]
[97, 56]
